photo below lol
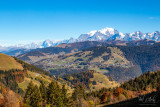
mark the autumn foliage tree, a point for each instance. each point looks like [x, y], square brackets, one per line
[118, 91]
[106, 97]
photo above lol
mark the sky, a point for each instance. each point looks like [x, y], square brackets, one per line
[26, 21]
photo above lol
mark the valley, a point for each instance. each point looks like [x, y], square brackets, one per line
[79, 53]
[94, 73]
[112, 60]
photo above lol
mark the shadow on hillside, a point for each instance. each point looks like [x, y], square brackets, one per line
[148, 100]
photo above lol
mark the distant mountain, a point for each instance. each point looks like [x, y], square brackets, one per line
[62, 49]
[112, 34]
[17, 52]
[105, 34]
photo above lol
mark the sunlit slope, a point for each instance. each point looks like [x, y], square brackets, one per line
[102, 81]
[92, 80]
[8, 63]
[16, 75]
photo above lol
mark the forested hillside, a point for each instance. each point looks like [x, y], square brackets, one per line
[110, 61]
[32, 86]
[145, 86]
[148, 80]
[91, 80]
[15, 78]
[121, 62]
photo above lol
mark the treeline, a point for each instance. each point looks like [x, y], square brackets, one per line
[11, 78]
[146, 81]
[143, 84]
[64, 71]
[147, 57]
[80, 78]
[110, 95]
[31, 68]
[53, 96]
[98, 51]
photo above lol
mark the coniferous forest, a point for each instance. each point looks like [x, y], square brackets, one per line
[56, 95]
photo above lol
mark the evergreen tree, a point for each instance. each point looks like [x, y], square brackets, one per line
[65, 98]
[59, 100]
[43, 91]
[33, 96]
[78, 95]
[50, 93]
[54, 95]
[29, 91]
[36, 98]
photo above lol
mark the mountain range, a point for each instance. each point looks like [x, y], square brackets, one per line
[103, 61]
[105, 34]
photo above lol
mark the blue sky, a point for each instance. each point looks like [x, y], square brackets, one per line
[24, 21]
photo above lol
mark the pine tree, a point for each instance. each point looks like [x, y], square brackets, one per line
[59, 100]
[82, 91]
[32, 96]
[79, 95]
[50, 93]
[65, 98]
[29, 91]
[36, 98]
[54, 95]
[43, 91]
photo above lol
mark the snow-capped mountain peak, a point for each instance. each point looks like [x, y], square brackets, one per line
[99, 35]
[91, 33]
[95, 35]
[121, 35]
[107, 30]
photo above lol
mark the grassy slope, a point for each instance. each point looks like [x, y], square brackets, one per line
[92, 80]
[102, 81]
[7, 63]
[36, 78]
[90, 59]
[70, 60]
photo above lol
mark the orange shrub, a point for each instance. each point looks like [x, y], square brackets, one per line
[118, 91]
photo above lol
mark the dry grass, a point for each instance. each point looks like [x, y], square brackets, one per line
[8, 63]
[102, 81]
[35, 78]
[117, 58]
